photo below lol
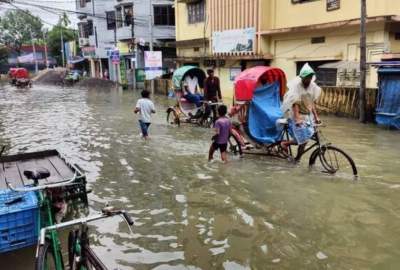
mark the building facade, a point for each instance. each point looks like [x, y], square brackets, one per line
[129, 26]
[236, 34]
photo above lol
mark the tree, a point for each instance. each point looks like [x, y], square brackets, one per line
[54, 37]
[16, 27]
[4, 51]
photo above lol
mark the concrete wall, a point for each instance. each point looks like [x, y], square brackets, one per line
[340, 44]
[186, 31]
[284, 14]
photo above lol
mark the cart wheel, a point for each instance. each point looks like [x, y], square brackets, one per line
[46, 259]
[332, 160]
[234, 146]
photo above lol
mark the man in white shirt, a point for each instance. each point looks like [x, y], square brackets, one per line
[145, 107]
[192, 83]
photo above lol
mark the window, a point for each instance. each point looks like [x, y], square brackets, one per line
[119, 17]
[128, 13]
[83, 30]
[332, 5]
[89, 27]
[196, 12]
[397, 36]
[83, 3]
[164, 15]
[316, 40]
[110, 16]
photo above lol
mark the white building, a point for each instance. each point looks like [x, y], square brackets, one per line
[106, 25]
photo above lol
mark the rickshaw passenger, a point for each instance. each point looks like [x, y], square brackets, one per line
[192, 83]
[192, 98]
[298, 105]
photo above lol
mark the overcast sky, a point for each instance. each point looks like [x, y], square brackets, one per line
[47, 17]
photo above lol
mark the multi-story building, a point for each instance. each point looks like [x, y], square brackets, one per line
[232, 35]
[129, 26]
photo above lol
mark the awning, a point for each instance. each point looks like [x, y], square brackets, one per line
[391, 70]
[341, 65]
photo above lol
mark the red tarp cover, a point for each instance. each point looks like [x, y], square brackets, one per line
[247, 81]
[21, 73]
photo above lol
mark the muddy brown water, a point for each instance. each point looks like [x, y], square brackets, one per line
[253, 213]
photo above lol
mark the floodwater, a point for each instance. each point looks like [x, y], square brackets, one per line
[253, 213]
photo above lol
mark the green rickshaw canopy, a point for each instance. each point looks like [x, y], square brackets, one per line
[184, 71]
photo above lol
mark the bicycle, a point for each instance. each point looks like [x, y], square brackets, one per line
[80, 255]
[325, 157]
[49, 197]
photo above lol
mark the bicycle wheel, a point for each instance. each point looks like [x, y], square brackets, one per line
[333, 160]
[234, 146]
[45, 259]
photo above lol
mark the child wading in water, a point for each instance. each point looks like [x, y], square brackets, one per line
[145, 107]
[220, 139]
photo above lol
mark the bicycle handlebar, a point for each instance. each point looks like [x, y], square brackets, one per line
[105, 213]
[63, 183]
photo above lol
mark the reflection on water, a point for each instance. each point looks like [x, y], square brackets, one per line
[253, 213]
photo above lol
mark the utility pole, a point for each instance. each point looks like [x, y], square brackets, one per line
[151, 39]
[45, 50]
[133, 63]
[34, 53]
[62, 46]
[363, 61]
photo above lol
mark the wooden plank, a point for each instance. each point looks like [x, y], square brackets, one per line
[61, 167]
[55, 175]
[3, 184]
[12, 174]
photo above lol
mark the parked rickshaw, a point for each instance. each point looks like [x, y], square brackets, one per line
[185, 111]
[260, 126]
[19, 77]
[38, 192]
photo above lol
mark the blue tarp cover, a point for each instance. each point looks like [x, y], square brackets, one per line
[263, 112]
[388, 107]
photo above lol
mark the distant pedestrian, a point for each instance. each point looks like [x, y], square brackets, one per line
[212, 91]
[105, 74]
[145, 107]
[220, 139]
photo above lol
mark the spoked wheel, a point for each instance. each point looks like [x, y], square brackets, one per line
[46, 259]
[234, 146]
[173, 117]
[208, 122]
[332, 160]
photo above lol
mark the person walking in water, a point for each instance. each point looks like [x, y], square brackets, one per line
[220, 139]
[212, 91]
[145, 107]
[299, 107]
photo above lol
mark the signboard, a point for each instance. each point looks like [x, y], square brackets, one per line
[122, 68]
[89, 51]
[123, 48]
[153, 64]
[233, 72]
[114, 55]
[237, 40]
[332, 5]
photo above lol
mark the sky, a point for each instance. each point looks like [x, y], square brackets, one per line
[48, 18]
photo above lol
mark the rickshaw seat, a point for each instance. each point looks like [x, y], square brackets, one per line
[282, 121]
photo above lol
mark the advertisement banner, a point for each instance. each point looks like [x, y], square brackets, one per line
[153, 64]
[115, 57]
[237, 40]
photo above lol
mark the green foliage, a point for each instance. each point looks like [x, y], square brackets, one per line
[54, 40]
[3, 54]
[16, 27]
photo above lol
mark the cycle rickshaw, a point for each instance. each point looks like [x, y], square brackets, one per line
[185, 111]
[260, 126]
[19, 77]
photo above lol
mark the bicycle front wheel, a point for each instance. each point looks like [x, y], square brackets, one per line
[332, 160]
[173, 117]
[46, 259]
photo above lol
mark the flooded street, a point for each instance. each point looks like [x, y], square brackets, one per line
[253, 213]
